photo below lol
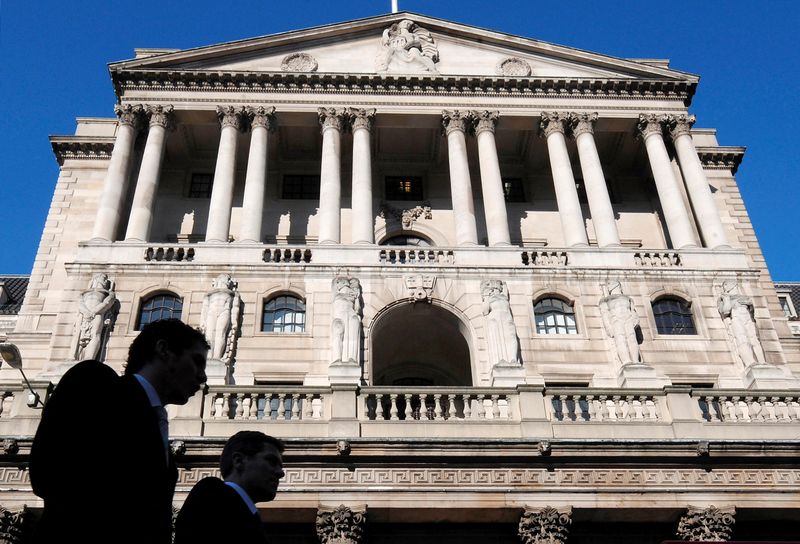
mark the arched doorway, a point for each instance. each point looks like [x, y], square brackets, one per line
[420, 345]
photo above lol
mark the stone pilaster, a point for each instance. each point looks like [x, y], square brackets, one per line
[546, 525]
[456, 124]
[341, 524]
[707, 524]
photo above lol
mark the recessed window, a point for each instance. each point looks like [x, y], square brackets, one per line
[300, 187]
[673, 316]
[403, 188]
[512, 190]
[201, 185]
[159, 307]
[554, 316]
[284, 314]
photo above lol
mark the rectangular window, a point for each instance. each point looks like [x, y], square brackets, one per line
[300, 187]
[512, 190]
[201, 185]
[403, 188]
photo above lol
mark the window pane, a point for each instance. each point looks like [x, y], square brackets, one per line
[673, 316]
[403, 188]
[300, 187]
[201, 186]
[158, 307]
[284, 314]
[554, 316]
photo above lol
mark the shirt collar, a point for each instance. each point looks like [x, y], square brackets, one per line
[245, 497]
[152, 396]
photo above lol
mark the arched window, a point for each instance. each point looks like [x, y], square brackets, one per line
[554, 316]
[673, 316]
[406, 240]
[158, 307]
[284, 313]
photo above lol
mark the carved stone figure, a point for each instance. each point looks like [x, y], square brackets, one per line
[546, 525]
[501, 334]
[346, 324]
[420, 287]
[620, 321]
[737, 313]
[707, 524]
[341, 525]
[96, 312]
[410, 45]
[220, 318]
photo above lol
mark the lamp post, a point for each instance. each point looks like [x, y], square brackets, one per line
[9, 353]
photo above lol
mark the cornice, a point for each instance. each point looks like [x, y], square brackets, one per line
[721, 157]
[441, 85]
[82, 147]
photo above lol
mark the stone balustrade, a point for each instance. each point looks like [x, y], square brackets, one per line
[544, 258]
[749, 407]
[657, 258]
[169, 253]
[416, 256]
[255, 403]
[610, 407]
[435, 404]
[280, 254]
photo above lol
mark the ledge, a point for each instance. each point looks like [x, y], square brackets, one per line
[82, 147]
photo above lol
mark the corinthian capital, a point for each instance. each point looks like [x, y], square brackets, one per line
[679, 125]
[456, 120]
[650, 123]
[706, 524]
[361, 118]
[331, 118]
[546, 525]
[232, 116]
[129, 114]
[160, 116]
[341, 525]
[582, 123]
[262, 117]
[553, 122]
[485, 120]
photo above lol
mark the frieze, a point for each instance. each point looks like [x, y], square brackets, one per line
[167, 80]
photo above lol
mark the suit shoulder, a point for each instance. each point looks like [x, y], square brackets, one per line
[91, 371]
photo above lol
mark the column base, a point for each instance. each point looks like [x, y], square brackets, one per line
[344, 372]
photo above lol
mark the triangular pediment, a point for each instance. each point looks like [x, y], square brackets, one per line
[385, 44]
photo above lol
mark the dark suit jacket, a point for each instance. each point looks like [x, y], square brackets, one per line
[99, 463]
[214, 513]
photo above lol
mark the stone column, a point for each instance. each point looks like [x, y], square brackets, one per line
[707, 524]
[546, 525]
[119, 171]
[456, 124]
[144, 198]
[330, 176]
[341, 524]
[569, 206]
[605, 227]
[705, 208]
[362, 220]
[494, 200]
[232, 120]
[675, 213]
[263, 122]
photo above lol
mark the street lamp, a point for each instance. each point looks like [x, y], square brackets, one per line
[9, 353]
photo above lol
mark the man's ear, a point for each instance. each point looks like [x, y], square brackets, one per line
[237, 460]
[161, 349]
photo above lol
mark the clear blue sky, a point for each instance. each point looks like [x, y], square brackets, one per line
[54, 56]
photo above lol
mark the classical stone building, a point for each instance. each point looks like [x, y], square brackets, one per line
[488, 289]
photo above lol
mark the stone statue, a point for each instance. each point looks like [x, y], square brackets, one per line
[620, 321]
[501, 334]
[220, 318]
[737, 313]
[409, 44]
[96, 312]
[346, 324]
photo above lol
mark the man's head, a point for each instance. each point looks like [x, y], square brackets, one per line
[253, 460]
[172, 356]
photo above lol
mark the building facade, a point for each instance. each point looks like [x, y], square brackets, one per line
[487, 288]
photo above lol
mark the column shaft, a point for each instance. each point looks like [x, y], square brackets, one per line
[460, 184]
[115, 188]
[144, 197]
[675, 213]
[494, 201]
[605, 227]
[330, 183]
[363, 222]
[703, 203]
[569, 206]
[219, 213]
[256, 178]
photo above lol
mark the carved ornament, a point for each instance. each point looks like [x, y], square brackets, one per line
[582, 123]
[361, 118]
[341, 525]
[12, 525]
[485, 120]
[262, 116]
[514, 67]
[650, 123]
[299, 62]
[232, 116]
[420, 287]
[707, 524]
[161, 116]
[456, 120]
[680, 125]
[130, 114]
[407, 216]
[332, 118]
[546, 525]
[410, 46]
[553, 122]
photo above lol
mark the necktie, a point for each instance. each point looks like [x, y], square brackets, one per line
[163, 427]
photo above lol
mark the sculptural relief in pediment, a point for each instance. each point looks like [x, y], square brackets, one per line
[407, 48]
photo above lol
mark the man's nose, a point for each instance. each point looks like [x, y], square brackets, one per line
[281, 473]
